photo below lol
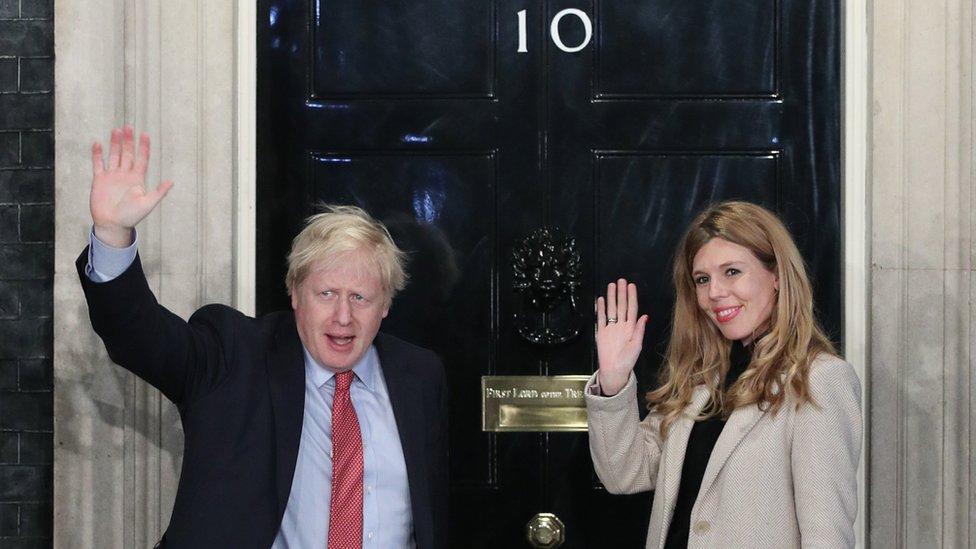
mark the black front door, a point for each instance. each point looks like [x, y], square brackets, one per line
[466, 125]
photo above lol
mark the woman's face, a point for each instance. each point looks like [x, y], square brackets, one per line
[735, 290]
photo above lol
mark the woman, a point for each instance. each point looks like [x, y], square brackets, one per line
[754, 435]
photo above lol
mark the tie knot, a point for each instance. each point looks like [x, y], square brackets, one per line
[344, 380]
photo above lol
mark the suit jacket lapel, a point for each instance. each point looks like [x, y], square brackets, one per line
[405, 398]
[736, 428]
[286, 371]
[674, 453]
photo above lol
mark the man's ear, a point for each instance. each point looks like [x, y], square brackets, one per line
[294, 298]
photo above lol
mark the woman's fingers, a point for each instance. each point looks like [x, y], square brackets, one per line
[611, 303]
[631, 302]
[622, 300]
[601, 314]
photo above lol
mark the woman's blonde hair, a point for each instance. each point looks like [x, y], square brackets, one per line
[337, 231]
[787, 344]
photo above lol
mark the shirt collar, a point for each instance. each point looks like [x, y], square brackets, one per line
[365, 369]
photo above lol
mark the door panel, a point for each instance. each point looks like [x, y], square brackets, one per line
[425, 114]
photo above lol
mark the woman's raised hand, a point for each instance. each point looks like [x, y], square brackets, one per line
[619, 335]
[119, 198]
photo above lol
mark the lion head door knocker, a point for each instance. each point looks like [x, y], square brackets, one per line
[546, 276]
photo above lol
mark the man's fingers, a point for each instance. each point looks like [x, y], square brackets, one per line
[128, 149]
[142, 158]
[98, 163]
[115, 149]
[162, 189]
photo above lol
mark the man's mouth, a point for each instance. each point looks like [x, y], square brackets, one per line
[339, 342]
[727, 313]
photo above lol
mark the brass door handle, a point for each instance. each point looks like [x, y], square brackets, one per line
[545, 530]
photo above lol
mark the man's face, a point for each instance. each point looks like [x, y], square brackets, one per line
[339, 310]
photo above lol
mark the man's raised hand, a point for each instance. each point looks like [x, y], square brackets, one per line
[119, 198]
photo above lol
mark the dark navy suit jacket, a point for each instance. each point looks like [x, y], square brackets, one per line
[239, 385]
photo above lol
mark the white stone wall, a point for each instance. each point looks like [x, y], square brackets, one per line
[168, 67]
[922, 335]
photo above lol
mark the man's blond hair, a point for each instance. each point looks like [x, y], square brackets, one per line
[330, 236]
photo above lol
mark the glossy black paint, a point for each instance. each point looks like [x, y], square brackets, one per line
[424, 113]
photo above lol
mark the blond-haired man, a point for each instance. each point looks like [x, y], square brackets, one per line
[306, 428]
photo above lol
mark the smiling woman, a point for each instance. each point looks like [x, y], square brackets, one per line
[754, 435]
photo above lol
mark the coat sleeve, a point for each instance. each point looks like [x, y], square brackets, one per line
[145, 338]
[824, 456]
[626, 452]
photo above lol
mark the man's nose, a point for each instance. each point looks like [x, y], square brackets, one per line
[343, 312]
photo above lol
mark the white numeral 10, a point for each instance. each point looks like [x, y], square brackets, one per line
[554, 30]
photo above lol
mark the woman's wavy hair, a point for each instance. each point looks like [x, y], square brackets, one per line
[786, 344]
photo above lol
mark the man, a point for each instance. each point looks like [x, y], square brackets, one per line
[302, 429]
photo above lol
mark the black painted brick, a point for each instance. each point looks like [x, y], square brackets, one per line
[35, 519]
[36, 449]
[9, 372]
[10, 300]
[25, 338]
[20, 111]
[9, 519]
[26, 411]
[20, 186]
[37, 75]
[35, 375]
[36, 298]
[37, 149]
[8, 74]
[24, 482]
[25, 543]
[9, 149]
[26, 38]
[37, 9]
[9, 8]
[8, 448]
[37, 223]
[26, 261]
[9, 229]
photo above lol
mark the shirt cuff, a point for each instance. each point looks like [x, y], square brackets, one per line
[107, 262]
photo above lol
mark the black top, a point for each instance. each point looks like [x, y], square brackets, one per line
[700, 444]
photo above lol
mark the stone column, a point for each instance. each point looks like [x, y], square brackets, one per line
[169, 68]
[922, 335]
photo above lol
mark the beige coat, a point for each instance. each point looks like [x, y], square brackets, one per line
[783, 480]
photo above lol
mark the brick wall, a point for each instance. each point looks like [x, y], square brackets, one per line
[26, 267]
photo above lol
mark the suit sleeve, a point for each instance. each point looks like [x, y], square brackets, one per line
[626, 451]
[824, 457]
[145, 338]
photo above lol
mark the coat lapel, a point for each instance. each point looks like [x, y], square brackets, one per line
[406, 399]
[674, 454]
[286, 371]
[736, 428]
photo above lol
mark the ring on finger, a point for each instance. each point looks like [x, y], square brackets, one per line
[611, 320]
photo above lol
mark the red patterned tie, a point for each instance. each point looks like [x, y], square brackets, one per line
[346, 508]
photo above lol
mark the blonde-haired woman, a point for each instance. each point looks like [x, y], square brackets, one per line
[754, 435]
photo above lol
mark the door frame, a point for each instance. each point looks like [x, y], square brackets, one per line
[854, 203]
